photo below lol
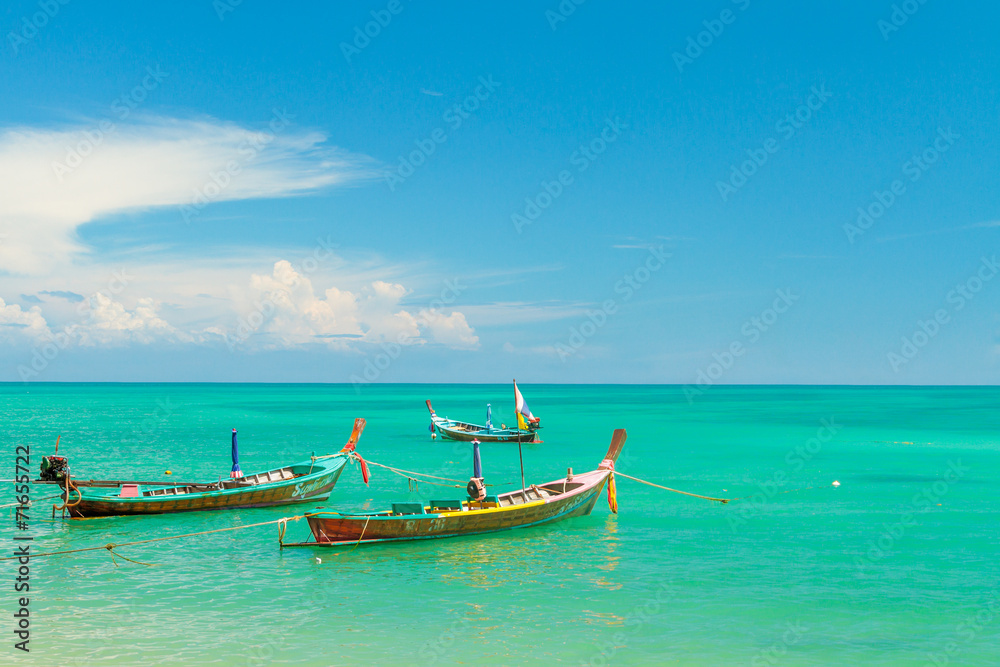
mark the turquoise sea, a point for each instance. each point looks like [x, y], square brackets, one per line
[899, 565]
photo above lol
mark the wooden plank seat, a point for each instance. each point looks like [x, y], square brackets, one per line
[486, 503]
[408, 508]
[447, 505]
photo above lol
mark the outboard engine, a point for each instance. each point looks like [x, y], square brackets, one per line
[54, 469]
[476, 489]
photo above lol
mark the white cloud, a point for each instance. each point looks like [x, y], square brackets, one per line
[17, 324]
[451, 330]
[280, 310]
[46, 192]
[110, 323]
[283, 311]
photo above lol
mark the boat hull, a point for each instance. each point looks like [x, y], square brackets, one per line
[488, 436]
[330, 528]
[468, 432]
[313, 486]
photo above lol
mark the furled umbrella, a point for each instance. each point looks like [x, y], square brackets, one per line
[477, 463]
[236, 473]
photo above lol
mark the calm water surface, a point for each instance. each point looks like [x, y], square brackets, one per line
[900, 565]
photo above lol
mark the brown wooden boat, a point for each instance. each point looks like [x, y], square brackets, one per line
[573, 495]
[306, 481]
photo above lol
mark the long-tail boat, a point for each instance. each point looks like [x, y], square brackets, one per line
[525, 431]
[571, 496]
[308, 480]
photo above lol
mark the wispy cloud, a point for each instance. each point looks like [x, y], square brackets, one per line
[522, 312]
[807, 256]
[946, 230]
[63, 294]
[635, 243]
[431, 92]
[153, 162]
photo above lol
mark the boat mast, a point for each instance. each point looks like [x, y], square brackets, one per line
[517, 425]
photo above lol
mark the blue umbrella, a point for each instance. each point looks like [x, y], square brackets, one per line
[477, 464]
[489, 416]
[236, 473]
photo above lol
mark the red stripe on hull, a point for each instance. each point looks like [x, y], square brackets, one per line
[249, 498]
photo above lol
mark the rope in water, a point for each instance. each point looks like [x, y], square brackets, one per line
[111, 547]
[718, 500]
[410, 475]
[667, 488]
[36, 500]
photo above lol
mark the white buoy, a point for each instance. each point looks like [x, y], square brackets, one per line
[318, 559]
[836, 483]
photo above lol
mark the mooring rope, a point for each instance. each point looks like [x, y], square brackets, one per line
[412, 476]
[718, 500]
[111, 546]
[35, 500]
[410, 473]
[667, 488]
[361, 537]
[70, 486]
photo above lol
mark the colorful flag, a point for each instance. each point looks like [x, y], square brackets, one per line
[521, 408]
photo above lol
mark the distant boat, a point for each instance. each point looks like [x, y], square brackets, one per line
[571, 496]
[306, 481]
[526, 431]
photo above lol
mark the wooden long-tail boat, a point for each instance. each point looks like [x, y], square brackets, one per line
[525, 431]
[571, 496]
[308, 480]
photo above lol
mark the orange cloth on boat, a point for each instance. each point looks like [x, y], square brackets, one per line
[612, 490]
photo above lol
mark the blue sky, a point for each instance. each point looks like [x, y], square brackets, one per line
[206, 192]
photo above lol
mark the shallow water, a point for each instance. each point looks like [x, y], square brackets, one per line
[899, 565]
